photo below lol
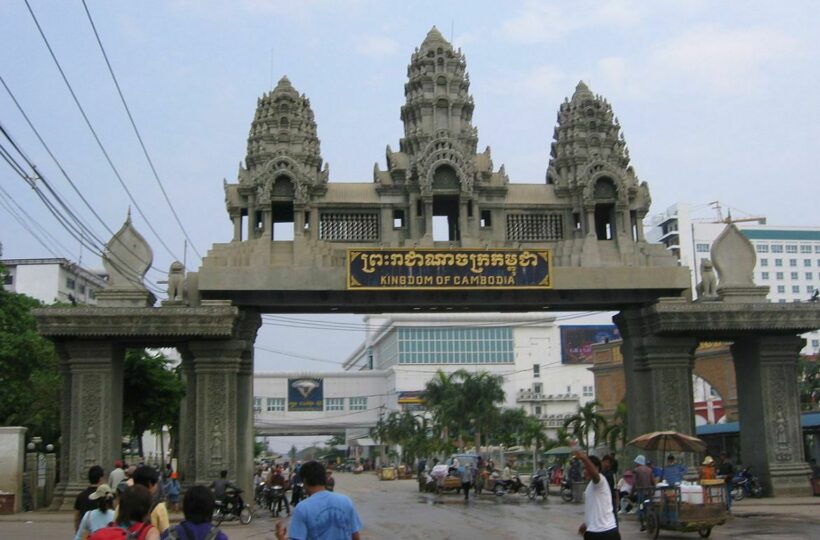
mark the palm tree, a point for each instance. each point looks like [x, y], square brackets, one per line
[440, 399]
[482, 393]
[616, 431]
[584, 421]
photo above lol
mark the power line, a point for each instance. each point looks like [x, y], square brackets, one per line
[137, 133]
[35, 223]
[4, 202]
[75, 230]
[65, 175]
[94, 133]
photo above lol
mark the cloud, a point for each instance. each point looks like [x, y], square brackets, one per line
[540, 81]
[540, 22]
[375, 46]
[719, 59]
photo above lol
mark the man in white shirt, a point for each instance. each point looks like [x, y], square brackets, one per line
[599, 519]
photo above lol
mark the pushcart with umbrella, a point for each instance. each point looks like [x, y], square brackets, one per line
[682, 508]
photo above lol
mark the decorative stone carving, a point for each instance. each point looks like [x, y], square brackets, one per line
[127, 257]
[176, 282]
[707, 288]
[734, 259]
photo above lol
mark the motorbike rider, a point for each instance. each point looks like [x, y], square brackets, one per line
[220, 487]
[277, 479]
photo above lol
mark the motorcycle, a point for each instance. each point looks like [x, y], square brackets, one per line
[232, 507]
[275, 498]
[745, 483]
[539, 486]
[566, 490]
[502, 487]
[298, 493]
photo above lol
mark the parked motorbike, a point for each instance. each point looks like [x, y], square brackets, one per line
[745, 484]
[502, 487]
[539, 486]
[232, 507]
[566, 490]
[298, 493]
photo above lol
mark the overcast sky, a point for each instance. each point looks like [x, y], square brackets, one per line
[717, 101]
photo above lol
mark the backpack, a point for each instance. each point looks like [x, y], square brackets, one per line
[173, 533]
[115, 532]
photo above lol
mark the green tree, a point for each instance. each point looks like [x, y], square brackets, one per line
[29, 373]
[515, 427]
[615, 433]
[292, 453]
[442, 399]
[153, 393]
[808, 379]
[482, 394]
[585, 422]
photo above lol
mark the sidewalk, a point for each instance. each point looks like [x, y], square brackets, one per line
[800, 508]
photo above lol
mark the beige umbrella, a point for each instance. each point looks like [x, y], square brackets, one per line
[668, 441]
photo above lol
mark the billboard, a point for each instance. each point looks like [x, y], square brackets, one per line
[441, 269]
[305, 394]
[577, 341]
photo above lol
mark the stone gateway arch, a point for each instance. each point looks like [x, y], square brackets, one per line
[572, 242]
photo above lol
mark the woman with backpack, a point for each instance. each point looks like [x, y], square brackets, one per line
[132, 518]
[101, 516]
[198, 507]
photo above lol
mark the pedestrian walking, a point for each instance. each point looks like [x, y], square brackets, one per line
[98, 518]
[117, 475]
[172, 491]
[324, 514]
[198, 508]
[644, 486]
[82, 503]
[148, 477]
[599, 516]
[466, 480]
[132, 518]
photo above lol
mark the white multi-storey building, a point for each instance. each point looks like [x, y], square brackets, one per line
[53, 280]
[788, 258]
[402, 352]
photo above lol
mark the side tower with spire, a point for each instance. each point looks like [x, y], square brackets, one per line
[589, 167]
[283, 166]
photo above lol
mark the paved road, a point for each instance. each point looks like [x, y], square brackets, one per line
[396, 511]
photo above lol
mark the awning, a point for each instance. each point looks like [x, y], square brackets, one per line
[364, 441]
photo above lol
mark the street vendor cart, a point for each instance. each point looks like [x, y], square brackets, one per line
[688, 507]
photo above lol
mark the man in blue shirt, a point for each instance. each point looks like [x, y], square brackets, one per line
[673, 472]
[324, 515]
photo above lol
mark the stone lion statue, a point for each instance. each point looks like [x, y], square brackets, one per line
[176, 281]
[707, 288]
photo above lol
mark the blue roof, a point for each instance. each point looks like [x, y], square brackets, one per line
[807, 420]
[780, 234]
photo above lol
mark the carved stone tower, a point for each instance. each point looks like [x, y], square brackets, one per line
[589, 164]
[284, 164]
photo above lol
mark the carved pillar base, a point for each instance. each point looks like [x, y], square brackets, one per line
[216, 422]
[95, 430]
[771, 439]
[658, 373]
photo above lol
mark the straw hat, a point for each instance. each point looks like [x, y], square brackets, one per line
[708, 460]
[103, 490]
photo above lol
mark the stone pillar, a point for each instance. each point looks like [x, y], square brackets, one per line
[95, 433]
[658, 373]
[186, 462]
[639, 227]
[771, 438]
[298, 222]
[412, 218]
[237, 227]
[464, 232]
[248, 327]
[51, 475]
[216, 365]
[32, 472]
[428, 219]
[65, 430]
[590, 224]
[251, 218]
[267, 223]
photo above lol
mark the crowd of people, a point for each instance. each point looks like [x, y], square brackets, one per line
[134, 502]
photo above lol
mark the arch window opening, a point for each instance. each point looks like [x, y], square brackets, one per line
[445, 218]
[282, 222]
[605, 221]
